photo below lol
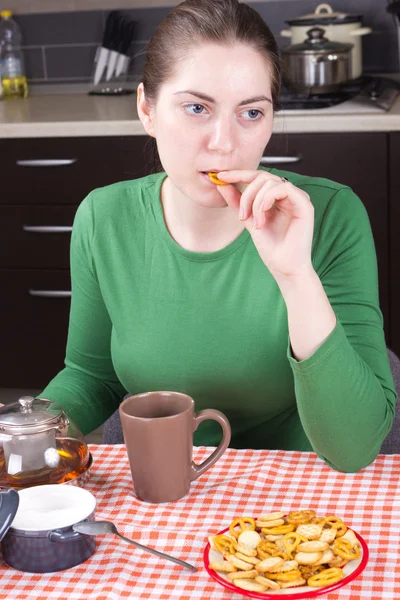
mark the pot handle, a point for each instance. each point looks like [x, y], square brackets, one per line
[323, 8]
[63, 536]
[286, 33]
[361, 31]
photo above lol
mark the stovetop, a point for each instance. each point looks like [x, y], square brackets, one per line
[367, 94]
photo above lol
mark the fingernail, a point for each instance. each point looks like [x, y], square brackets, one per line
[241, 215]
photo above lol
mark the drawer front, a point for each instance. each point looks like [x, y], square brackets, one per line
[358, 160]
[34, 313]
[65, 170]
[36, 236]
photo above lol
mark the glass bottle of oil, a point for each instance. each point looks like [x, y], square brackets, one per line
[12, 69]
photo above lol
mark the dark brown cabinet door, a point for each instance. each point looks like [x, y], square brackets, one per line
[35, 236]
[65, 170]
[34, 313]
[358, 160]
[394, 220]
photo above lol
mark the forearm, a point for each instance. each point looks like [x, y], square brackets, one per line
[345, 410]
[87, 400]
[310, 315]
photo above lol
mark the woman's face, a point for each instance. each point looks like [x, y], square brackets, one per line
[214, 114]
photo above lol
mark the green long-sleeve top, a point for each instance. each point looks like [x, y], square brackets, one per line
[147, 314]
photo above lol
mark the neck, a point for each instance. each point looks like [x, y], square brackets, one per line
[194, 227]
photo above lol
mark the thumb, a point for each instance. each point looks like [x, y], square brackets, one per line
[231, 196]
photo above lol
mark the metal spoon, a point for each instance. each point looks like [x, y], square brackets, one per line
[103, 527]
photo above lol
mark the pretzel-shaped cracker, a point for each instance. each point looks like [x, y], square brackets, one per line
[242, 523]
[299, 517]
[345, 549]
[326, 577]
[214, 178]
[224, 543]
[291, 541]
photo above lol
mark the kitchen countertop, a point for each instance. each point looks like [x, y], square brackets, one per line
[68, 111]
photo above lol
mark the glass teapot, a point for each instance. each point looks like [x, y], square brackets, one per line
[39, 445]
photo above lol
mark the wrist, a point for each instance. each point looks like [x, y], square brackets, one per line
[291, 282]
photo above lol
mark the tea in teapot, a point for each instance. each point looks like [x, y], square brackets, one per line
[39, 445]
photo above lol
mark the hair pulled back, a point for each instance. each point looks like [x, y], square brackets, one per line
[212, 21]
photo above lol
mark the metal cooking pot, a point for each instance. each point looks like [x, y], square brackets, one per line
[317, 66]
[338, 26]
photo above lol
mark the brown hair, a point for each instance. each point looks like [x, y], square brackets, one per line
[212, 21]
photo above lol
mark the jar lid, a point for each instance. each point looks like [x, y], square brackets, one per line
[325, 15]
[317, 43]
[9, 501]
[28, 413]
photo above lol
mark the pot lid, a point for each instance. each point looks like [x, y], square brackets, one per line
[317, 43]
[28, 413]
[325, 15]
[9, 501]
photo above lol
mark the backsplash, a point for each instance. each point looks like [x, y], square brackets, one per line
[60, 47]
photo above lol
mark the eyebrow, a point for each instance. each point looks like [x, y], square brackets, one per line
[209, 99]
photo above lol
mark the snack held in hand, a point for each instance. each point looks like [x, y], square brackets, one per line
[214, 179]
[279, 551]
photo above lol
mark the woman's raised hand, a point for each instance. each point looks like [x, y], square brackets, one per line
[279, 217]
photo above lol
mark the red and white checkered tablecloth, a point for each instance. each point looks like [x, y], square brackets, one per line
[246, 482]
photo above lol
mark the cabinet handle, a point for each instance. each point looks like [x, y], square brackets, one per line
[50, 293]
[47, 228]
[281, 160]
[53, 162]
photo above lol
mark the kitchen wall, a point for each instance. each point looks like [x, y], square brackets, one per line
[60, 47]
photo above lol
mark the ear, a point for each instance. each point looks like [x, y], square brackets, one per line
[144, 111]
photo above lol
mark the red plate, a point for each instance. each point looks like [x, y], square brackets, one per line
[351, 570]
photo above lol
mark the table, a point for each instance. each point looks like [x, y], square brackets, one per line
[247, 482]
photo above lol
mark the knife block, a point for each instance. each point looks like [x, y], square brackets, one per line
[115, 86]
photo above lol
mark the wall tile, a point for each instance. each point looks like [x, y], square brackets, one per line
[70, 38]
[147, 19]
[34, 67]
[74, 62]
[380, 53]
[61, 28]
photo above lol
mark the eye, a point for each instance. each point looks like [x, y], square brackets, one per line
[194, 109]
[253, 114]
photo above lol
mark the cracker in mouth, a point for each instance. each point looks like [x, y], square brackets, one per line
[214, 178]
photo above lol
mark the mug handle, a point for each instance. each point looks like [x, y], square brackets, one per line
[214, 415]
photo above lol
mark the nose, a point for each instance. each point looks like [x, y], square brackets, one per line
[222, 136]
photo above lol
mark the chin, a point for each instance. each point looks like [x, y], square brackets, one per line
[212, 200]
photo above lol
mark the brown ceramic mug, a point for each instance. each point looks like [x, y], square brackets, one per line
[158, 430]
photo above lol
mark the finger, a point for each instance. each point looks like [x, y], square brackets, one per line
[231, 196]
[246, 176]
[247, 199]
[263, 202]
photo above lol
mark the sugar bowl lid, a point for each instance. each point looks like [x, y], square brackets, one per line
[9, 501]
[29, 415]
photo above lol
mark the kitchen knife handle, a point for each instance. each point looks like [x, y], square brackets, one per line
[279, 160]
[50, 293]
[47, 228]
[42, 162]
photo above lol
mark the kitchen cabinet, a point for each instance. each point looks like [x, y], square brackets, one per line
[359, 160]
[45, 179]
[394, 241]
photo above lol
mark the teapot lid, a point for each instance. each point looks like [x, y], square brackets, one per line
[27, 414]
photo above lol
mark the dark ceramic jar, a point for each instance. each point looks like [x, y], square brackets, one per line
[40, 538]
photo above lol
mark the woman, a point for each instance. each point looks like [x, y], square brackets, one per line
[258, 297]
